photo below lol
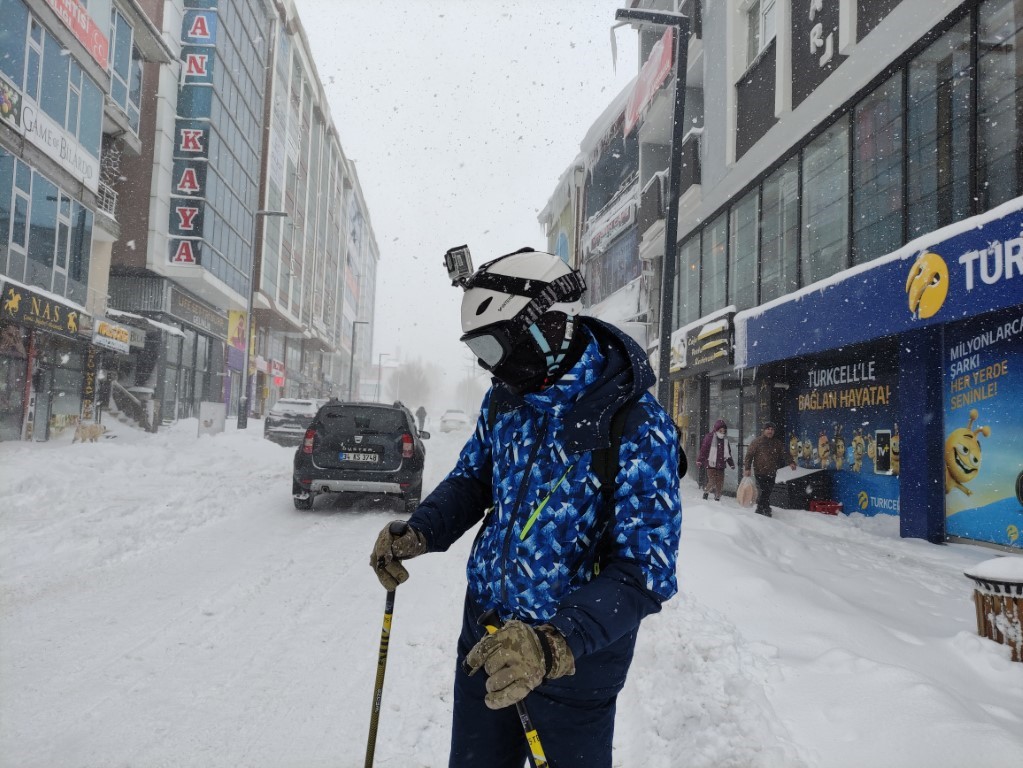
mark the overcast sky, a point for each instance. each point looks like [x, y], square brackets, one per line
[460, 115]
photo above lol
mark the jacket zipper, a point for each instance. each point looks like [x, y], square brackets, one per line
[514, 512]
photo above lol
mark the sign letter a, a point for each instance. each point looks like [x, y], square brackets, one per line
[199, 27]
[184, 253]
[189, 182]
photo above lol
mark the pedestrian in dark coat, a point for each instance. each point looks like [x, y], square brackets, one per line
[421, 417]
[569, 567]
[715, 454]
[766, 455]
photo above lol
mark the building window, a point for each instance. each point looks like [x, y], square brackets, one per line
[779, 232]
[714, 269]
[1000, 101]
[759, 27]
[742, 274]
[877, 172]
[825, 197]
[938, 133]
[13, 39]
[126, 69]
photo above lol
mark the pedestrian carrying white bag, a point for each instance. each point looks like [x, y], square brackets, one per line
[746, 493]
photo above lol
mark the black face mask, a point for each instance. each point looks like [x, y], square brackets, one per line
[527, 368]
[524, 370]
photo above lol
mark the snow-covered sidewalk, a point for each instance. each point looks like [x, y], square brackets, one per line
[164, 605]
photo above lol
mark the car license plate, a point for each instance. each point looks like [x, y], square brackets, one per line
[370, 458]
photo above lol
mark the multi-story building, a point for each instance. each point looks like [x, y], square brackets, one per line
[849, 251]
[69, 97]
[246, 205]
[151, 153]
[317, 276]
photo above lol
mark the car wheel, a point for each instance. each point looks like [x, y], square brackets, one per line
[306, 503]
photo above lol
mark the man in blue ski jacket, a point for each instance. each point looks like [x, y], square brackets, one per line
[569, 568]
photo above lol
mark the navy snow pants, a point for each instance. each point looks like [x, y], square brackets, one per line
[573, 716]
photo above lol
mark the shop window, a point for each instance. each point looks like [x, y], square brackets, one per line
[779, 232]
[742, 277]
[938, 135]
[877, 172]
[714, 271]
[825, 204]
[53, 98]
[1000, 101]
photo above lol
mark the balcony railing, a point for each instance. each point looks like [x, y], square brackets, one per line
[652, 201]
[106, 200]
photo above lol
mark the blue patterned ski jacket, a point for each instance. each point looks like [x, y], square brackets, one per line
[534, 556]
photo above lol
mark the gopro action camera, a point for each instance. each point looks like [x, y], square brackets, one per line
[459, 264]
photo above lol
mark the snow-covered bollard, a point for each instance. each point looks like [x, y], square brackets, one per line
[998, 597]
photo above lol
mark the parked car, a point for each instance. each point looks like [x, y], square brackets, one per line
[360, 448]
[288, 418]
[453, 420]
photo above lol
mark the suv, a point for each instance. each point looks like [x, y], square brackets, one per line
[360, 448]
[287, 419]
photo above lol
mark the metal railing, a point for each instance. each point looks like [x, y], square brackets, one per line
[106, 200]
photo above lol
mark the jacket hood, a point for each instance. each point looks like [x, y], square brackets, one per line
[719, 424]
[587, 398]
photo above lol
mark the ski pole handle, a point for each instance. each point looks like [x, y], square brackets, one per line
[492, 623]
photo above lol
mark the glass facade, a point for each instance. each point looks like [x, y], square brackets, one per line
[779, 231]
[742, 276]
[45, 234]
[825, 196]
[895, 164]
[1000, 97]
[877, 172]
[938, 98]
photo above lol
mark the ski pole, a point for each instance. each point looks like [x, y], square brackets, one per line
[397, 528]
[492, 624]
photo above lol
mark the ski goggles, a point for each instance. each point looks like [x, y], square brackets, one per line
[493, 344]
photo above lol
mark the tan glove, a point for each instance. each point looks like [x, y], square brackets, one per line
[517, 658]
[396, 542]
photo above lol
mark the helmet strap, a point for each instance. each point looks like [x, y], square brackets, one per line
[554, 358]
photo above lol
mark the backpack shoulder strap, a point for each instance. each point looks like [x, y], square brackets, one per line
[606, 460]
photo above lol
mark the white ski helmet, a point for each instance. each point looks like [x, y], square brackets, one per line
[506, 296]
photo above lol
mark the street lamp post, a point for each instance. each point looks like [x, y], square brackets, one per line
[351, 362]
[640, 16]
[243, 401]
[380, 360]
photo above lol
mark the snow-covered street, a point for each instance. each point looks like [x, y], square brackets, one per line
[163, 604]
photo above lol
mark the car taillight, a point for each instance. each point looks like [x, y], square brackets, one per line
[307, 444]
[407, 446]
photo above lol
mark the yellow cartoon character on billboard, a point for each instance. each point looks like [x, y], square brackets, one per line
[927, 285]
[794, 451]
[962, 455]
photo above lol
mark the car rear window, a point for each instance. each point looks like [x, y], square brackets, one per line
[363, 420]
[294, 406]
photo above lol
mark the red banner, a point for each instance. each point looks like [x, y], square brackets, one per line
[78, 20]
